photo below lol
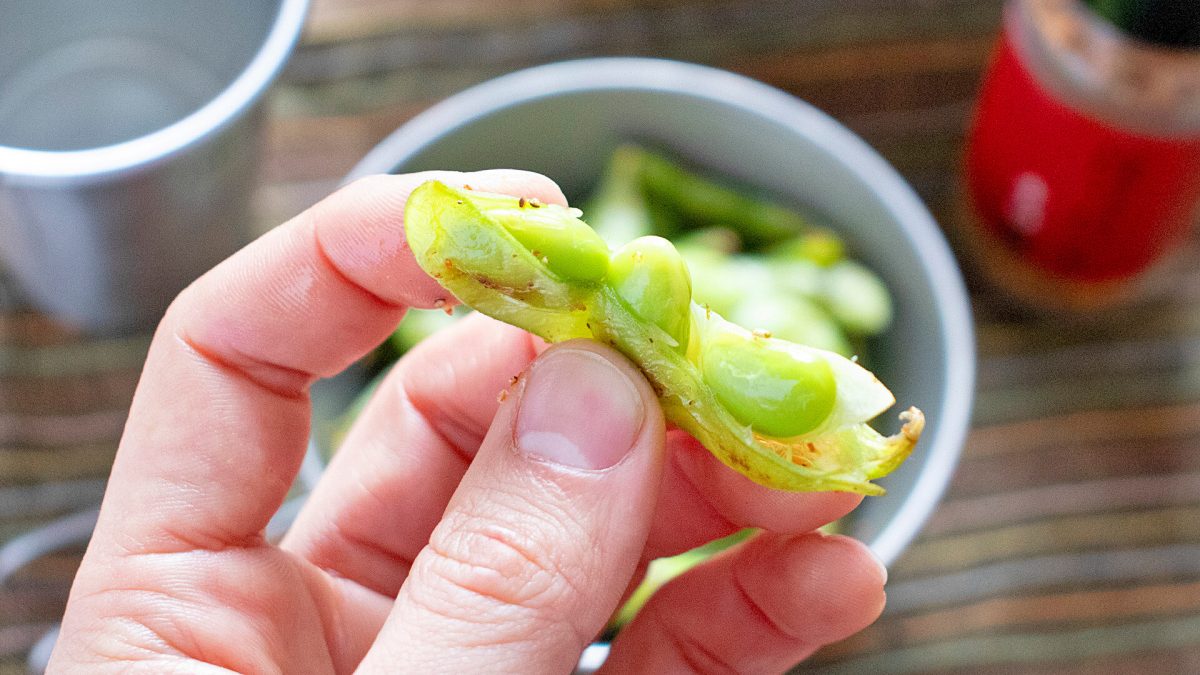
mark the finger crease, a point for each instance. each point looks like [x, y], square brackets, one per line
[139, 633]
[696, 656]
[714, 511]
[427, 417]
[244, 370]
[334, 625]
[757, 610]
[327, 261]
[170, 541]
[371, 547]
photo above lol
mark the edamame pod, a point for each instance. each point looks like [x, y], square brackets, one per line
[723, 282]
[618, 210]
[458, 240]
[820, 248]
[468, 242]
[704, 202]
[720, 239]
[857, 297]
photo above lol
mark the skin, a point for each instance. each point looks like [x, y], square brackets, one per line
[437, 539]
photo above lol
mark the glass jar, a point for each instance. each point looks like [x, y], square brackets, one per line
[1082, 168]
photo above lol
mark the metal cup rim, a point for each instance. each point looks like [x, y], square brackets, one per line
[42, 166]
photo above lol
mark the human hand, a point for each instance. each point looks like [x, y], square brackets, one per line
[453, 532]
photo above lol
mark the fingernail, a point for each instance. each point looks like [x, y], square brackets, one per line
[578, 410]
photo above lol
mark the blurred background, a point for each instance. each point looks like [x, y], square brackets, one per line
[1069, 540]
[902, 74]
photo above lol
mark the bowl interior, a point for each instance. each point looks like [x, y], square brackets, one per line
[822, 168]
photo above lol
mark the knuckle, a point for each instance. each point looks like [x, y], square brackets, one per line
[693, 654]
[485, 569]
[495, 561]
[783, 625]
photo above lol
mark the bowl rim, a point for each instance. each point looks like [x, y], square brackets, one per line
[801, 118]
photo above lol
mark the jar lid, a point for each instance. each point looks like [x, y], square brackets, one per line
[1169, 23]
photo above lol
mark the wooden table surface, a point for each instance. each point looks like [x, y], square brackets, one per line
[1069, 540]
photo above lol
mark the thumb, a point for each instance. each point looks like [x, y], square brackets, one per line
[545, 530]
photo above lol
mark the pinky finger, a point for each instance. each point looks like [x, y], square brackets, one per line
[761, 607]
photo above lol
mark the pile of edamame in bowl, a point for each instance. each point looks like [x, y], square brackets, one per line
[749, 318]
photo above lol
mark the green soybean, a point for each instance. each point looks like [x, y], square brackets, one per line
[650, 275]
[773, 390]
[567, 246]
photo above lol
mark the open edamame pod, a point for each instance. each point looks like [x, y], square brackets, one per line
[787, 416]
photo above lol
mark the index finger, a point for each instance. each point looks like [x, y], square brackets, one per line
[220, 419]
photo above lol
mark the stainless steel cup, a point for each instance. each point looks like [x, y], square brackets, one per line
[128, 134]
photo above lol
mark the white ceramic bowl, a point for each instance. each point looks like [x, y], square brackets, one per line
[564, 119]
